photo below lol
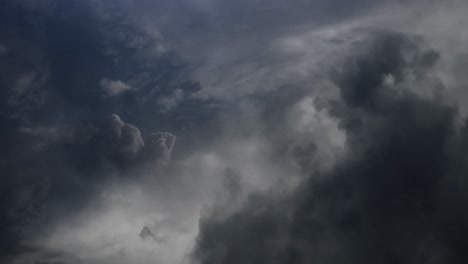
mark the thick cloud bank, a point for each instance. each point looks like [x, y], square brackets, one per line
[218, 132]
[393, 199]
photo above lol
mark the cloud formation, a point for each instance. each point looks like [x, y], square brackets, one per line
[386, 202]
[113, 88]
[210, 131]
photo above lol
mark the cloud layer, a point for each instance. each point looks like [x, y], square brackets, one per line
[212, 131]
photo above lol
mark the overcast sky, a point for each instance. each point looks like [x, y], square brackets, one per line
[233, 132]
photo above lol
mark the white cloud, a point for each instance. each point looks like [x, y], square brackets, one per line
[114, 87]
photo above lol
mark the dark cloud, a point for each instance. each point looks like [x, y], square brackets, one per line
[387, 202]
[303, 136]
[113, 140]
[258, 233]
[61, 139]
[386, 55]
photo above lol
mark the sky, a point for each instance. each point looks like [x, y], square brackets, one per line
[233, 132]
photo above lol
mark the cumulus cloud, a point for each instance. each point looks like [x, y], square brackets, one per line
[214, 132]
[113, 88]
[125, 138]
[163, 143]
[386, 201]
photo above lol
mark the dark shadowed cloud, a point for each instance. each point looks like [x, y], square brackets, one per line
[215, 131]
[390, 201]
[71, 119]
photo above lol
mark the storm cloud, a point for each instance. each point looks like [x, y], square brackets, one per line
[212, 131]
[389, 201]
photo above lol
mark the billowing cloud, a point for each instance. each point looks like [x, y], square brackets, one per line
[211, 131]
[385, 202]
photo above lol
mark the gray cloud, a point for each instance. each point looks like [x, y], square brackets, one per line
[386, 202]
[125, 140]
[307, 131]
[61, 143]
[167, 103]
[113, 88]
